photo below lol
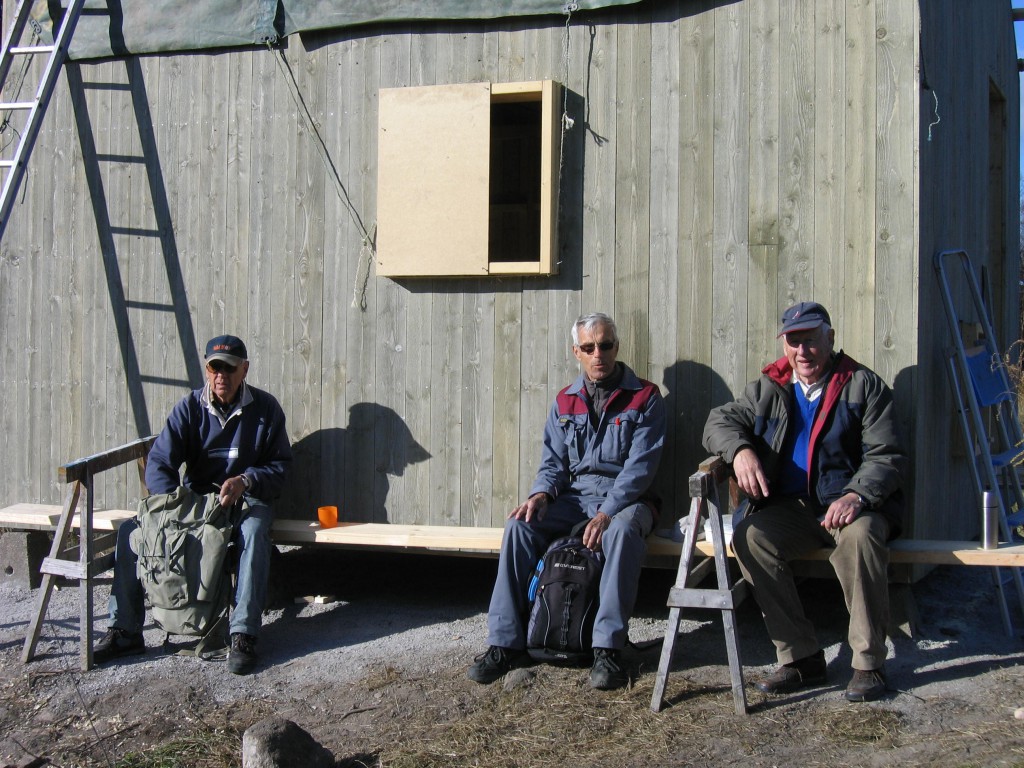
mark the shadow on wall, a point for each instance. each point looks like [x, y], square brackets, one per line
[692, 390]
[349, 467]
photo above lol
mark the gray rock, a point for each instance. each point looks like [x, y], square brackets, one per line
[279, 743]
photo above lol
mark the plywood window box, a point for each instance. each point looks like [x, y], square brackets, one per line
[468, 180]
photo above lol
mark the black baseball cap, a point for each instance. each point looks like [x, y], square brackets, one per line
[803, 317]
[230, 349]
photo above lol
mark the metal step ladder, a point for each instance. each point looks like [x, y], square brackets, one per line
[13, 165]
[986, 404]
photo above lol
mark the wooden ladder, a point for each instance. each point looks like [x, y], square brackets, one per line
[87, 565]
[704, 502]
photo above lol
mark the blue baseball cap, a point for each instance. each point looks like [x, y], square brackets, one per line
[230, 349]
[803, 317]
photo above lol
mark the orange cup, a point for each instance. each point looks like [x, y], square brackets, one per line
[328, 516]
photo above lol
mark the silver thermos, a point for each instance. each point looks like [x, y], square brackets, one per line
[989, 521]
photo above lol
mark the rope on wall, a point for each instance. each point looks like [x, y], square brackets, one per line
[567, 122]
[368, 247]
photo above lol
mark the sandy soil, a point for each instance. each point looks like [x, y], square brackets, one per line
[378, 677]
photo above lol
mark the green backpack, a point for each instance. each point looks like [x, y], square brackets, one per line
[182, 545]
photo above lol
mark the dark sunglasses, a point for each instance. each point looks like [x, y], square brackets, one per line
[590, 346]
[218, 366]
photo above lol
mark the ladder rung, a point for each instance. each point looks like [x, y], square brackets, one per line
[6, 163]
[17, 104]
[29, 49]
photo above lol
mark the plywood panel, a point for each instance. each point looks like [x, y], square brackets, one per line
[434, 141]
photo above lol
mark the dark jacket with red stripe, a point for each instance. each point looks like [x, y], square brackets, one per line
[611, 466]
[853, 445]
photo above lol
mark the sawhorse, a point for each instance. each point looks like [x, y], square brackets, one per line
[704, 502]
[87, 566]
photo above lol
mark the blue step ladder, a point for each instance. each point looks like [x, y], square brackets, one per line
[986, 403]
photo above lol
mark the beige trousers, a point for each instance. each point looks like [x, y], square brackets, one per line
[767, 540]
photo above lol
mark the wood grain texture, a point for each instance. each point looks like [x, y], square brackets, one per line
[726, 160]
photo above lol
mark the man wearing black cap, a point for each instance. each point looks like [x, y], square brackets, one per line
[231, 437]
[813, 444]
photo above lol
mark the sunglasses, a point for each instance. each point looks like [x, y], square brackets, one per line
[218, 366]
[589, 347]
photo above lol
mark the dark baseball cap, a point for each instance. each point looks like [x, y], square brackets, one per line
[803, 317]
[230, 349]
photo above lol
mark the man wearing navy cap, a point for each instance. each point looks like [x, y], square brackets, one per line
[231, 438]
[813, 444]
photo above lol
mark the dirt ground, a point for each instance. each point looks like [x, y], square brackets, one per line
[378, 677]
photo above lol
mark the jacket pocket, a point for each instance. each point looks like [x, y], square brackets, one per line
[618, 437]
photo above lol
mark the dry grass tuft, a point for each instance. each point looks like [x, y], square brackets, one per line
[546, 716]
[862, 727]
[381, 677]
[204, 748]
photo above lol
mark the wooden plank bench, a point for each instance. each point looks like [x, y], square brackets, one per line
[487, 541]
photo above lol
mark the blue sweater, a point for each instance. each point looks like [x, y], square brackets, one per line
[252, 440]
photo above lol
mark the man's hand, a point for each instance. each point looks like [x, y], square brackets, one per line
[750, 474]
[231, 491]
[533, 508]
[594, 531]
[842, 511]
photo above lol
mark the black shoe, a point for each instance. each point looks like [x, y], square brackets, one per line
[492, 664]
[117, 643]
[798, 674]
[242, 656]
[607, 674]
[866, 685]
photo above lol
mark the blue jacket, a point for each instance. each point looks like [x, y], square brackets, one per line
[613, 463]
[853, 445]
[252, 440]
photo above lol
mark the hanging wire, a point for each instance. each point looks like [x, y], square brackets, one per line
[368, 247]
[938, 118]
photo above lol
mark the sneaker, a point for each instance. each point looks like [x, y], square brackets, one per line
[117, 643]
[492, 664]
[801, 673]
[866, 685]
[242, 655]
[607, 674]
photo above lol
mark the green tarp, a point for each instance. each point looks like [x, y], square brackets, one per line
[118, 27]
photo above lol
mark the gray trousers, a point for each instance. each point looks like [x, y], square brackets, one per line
[524, 543]
[768, 539]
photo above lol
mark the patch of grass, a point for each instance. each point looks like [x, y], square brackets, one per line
[206, 748]
[862, 727]
[544, 716]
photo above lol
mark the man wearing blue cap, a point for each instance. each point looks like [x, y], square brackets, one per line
[231, 438]
[813, 444]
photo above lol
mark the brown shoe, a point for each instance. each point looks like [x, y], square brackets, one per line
[866, 685]
[798, 674]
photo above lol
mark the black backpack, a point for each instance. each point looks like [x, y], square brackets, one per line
[564, 590]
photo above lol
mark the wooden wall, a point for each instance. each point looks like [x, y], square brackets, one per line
[727, 160]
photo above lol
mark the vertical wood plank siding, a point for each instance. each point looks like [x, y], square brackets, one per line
[726, 160]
